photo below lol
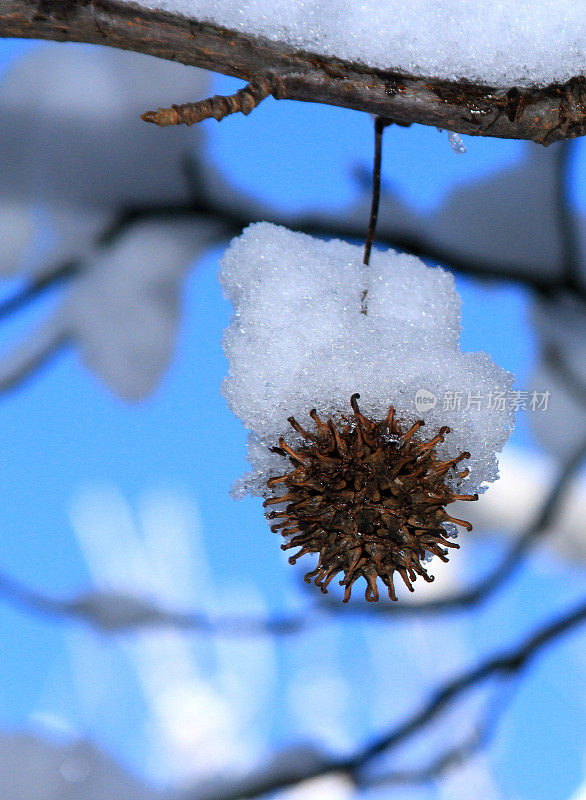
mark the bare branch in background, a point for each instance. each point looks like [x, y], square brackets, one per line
[572, 277]
[505, 665]
[32, 353]
[117, 611]
[49, 279]
[555, 359]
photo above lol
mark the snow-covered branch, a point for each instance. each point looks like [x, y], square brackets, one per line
[504, 666]
[544, 115]
[294, 765]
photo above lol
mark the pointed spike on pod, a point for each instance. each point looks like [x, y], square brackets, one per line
[462, 522]
[403, 573]
[439, 437]
[360, 418]
[340, 444]
[447, 543]
[300, 429]
[301, 459]
[271, 501]
[274, 481]
[322, 428]
[465, 497]
[412, 430]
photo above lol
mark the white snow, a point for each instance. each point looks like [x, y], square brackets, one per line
[518, 42]
[125, 308]
[456, 142]
[298, 341]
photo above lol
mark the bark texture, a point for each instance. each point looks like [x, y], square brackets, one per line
[544, 115]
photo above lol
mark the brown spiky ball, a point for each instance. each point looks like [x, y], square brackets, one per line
[368, 497]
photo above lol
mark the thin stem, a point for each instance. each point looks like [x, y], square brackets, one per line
[379, 125]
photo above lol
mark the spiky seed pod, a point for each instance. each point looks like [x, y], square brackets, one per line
[368, 497]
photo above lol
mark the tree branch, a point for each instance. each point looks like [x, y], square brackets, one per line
[46, 341]
[566, 220]
[543, 115]
[505, 665]
[218, 106]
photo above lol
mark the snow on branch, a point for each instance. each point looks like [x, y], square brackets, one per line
[546, 114]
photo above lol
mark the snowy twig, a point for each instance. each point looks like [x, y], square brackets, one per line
[34, 351]
[544, 115]
[505, 665]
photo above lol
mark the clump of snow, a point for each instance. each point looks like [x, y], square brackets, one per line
[81, 106]
[456, 142]
[298, 341]
[124, 310]
[526, 42]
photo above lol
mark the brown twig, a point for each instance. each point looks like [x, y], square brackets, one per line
[218, 106]
[379, 125]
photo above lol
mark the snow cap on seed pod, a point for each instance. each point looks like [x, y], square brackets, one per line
[313, 329]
